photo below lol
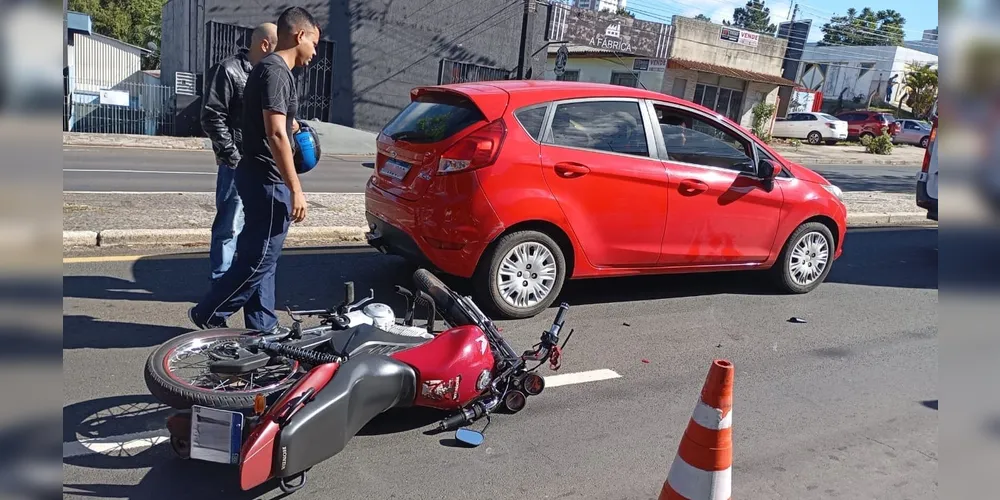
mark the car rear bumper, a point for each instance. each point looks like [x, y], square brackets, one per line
[925, 201]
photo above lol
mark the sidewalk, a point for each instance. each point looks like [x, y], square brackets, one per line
[184, 219]
[339, 140]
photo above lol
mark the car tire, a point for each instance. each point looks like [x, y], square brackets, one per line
[808, 240]
[866, 134]
[831, 143]
[924, 141]
[520, 250]
[814, 138]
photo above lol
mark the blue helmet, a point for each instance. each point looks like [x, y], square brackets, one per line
[306, 147]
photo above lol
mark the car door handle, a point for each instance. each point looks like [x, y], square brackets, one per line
[691, 186]
[570, 170]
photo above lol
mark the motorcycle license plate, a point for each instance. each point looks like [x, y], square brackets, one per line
[216, 435]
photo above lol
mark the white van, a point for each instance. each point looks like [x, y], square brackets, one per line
[927, 179]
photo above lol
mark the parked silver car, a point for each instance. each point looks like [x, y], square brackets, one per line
[915, 132]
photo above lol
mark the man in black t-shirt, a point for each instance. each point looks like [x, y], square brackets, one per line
[266, 181]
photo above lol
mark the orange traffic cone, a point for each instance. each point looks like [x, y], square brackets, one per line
[703, 467]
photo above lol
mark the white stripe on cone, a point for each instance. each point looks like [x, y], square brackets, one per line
[711, 418]
[696, 484]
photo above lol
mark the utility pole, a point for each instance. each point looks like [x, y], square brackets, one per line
[527, 30]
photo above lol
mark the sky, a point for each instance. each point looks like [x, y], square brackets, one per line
[919, 14]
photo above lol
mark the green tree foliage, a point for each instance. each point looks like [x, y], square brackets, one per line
[624, 12]
[703, 17]
[754, 17]
[135, 22]
[921, 83]
[868, 27]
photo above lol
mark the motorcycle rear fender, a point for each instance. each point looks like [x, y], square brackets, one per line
[363, 388]
[258, 455]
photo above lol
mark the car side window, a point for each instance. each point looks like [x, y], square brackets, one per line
[690, 138]
[609, 126]
[531, 119]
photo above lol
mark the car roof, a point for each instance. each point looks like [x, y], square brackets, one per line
[564, 90]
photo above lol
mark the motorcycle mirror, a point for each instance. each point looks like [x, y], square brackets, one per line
[469, 437]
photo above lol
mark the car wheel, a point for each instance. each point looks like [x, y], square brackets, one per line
[924, 141]
[814, 137]
[521, 275]
[806, 259]
[868, 135]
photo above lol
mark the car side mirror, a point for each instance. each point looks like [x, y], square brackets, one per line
[768, 170]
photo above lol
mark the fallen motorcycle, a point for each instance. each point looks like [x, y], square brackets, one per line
[276, 405]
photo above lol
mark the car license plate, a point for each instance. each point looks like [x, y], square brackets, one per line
[395, 169]
[216, 435]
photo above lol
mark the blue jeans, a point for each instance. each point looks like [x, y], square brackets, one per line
[249, 283]
[228, 222]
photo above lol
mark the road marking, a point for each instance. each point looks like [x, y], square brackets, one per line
[115, 445]
[107, 170]
[580, 377]
[128, 444]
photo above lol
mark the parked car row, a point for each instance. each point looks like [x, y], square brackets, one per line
[817, 128]
[520, 186]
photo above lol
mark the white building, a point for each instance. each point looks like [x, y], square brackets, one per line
[599, 5]
[854, 73]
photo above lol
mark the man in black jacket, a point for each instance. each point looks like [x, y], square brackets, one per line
[221, 119]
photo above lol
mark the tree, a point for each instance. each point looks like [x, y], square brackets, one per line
[754, 17]
[703, 17]
[921, 83]
[884, 27]
[136, 22]
[621, 12]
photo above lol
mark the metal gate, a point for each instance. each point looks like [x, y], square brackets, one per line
[314, 82]
[451, 71]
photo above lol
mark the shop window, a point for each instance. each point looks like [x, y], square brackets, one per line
[570, 75]
[726, 102]
[625, 79]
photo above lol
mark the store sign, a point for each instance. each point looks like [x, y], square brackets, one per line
[654, 65]
[605, 30]
[739, 36]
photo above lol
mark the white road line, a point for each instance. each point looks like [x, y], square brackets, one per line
[580, 377]
[115, 445]
[134, 443]
[136, 171]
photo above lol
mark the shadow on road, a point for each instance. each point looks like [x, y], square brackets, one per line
[902, 257]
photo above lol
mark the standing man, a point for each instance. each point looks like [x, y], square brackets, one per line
[266, 180]
[221, 118]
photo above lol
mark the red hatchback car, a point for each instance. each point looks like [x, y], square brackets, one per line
[522, 185]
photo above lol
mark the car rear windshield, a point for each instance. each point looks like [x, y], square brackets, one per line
[433, 118]
[828, 117]
[884, 118]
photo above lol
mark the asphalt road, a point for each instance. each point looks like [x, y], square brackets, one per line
[131, 169]
[843, 406]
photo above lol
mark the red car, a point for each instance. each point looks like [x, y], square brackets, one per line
[522, 185]
[869, 123]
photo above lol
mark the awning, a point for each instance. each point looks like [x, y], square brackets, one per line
[752, 76]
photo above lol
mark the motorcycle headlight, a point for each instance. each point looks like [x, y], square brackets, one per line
[834, 190]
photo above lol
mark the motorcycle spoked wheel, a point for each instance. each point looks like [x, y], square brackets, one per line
[177, 373]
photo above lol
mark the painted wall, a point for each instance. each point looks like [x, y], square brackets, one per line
[857, 71]
[385, 48]
[702, 41]
[600, 69]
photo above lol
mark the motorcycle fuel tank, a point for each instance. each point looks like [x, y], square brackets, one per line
[453, 369]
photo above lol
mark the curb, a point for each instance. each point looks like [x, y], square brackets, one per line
[348, 234]
[817, 160]
[157, 142]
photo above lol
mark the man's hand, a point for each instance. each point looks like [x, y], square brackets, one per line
[298, 206]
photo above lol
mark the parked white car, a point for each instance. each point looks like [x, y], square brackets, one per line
[813, 127]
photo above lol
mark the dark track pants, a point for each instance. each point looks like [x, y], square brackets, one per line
[249, 282]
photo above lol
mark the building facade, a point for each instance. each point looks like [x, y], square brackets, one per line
[377, 51]
[600, 5]
[723, 68]
[849, 76]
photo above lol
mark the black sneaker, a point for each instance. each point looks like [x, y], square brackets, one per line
[201, 325]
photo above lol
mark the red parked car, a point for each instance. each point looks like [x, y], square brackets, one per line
[522, 185]
[869, 123]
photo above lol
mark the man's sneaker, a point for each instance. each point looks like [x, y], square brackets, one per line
[201, 325]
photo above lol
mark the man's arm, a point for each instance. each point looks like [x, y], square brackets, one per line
[278, 90]
[214, 112]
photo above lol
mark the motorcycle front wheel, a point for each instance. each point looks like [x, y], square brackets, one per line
[177, 373]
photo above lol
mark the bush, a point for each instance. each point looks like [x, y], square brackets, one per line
[762, 113]
[880, 145]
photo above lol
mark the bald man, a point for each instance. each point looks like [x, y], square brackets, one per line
[221, 119]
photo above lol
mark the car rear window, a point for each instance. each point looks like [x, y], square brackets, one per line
[884, 118]
[828, 117]
[433, 118]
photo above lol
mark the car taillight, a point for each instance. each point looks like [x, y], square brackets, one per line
[927, 152]
[831, 125]
[476, 150]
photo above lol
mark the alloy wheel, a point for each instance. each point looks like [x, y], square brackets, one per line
[809, 258]
[526, 275]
